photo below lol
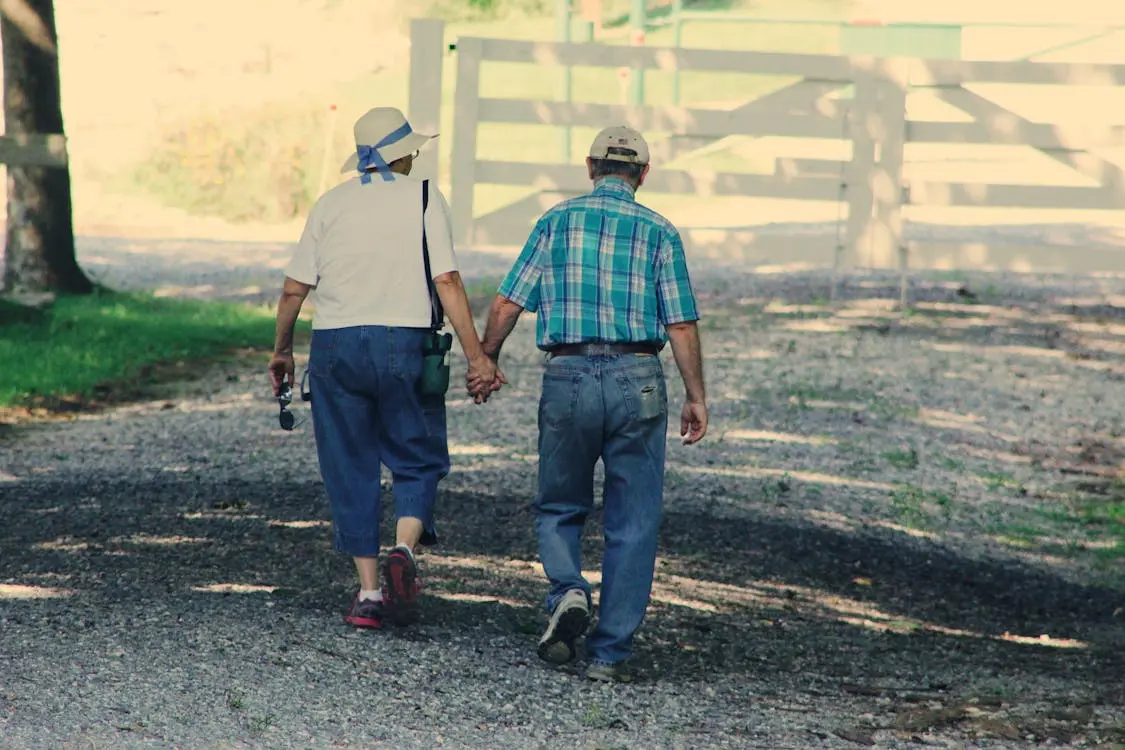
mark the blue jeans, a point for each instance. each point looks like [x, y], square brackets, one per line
[614, 408]
[367, 412]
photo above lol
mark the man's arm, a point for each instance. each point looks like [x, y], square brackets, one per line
[519, 290]
[679, 313]
[293, 295]
[502, 317]
[684, 338]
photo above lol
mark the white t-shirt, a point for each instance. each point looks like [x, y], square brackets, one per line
[362, 250]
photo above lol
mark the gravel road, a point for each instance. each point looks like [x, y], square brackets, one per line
[839, 561]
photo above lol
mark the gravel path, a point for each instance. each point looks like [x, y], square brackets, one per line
[895, 537]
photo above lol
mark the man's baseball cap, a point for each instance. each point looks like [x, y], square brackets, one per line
[619, 137]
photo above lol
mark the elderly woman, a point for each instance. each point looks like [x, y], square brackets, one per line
[362, 250]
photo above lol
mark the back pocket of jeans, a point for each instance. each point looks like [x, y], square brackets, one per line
[559, 400]
[647, 398]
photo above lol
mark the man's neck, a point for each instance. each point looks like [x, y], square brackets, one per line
[615, 182]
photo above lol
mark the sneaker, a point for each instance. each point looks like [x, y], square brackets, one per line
[400, 586]
[365, 614]
[568, 622]
[618, 672]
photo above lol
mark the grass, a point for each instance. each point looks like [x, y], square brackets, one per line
[82, 346]
[264, 163]
[902, 458]
[917, 506]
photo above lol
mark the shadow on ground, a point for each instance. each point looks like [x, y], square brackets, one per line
[781, 600]
[874, 620]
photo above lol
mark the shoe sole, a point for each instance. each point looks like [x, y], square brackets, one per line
[400, 590]
[559, 647]
[363, 622]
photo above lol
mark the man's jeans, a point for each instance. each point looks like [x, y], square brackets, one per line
[366, 412]
[614, 408]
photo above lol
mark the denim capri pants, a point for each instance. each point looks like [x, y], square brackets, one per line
[367, 413]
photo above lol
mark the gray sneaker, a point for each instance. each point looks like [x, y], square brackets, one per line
[568, 623]
[619, 672]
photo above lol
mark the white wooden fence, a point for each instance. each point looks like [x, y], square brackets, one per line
[1074, 146]
[871, 185]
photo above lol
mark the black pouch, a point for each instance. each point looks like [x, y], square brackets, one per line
[435, 364]
[434, 380]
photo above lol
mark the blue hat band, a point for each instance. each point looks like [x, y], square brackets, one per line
[369, 156]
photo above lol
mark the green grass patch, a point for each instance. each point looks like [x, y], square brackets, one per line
[904, 458]
[1085, 525]
[916, 506]
[81, 345]
[999, 480]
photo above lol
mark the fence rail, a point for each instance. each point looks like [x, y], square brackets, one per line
[872, 122]
[33, 150]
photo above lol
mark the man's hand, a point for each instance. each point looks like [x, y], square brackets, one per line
[693, 422]
[481, 392]
[281, 369]
[480, 376]
[483, 378]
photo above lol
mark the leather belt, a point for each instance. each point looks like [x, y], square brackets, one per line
[603, 349]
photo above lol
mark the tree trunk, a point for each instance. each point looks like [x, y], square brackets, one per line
[39, 249]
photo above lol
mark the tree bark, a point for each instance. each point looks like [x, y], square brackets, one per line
[39, 249]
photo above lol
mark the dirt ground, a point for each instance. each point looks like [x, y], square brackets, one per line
[903, 531]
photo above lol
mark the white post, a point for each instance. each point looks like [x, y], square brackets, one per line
[875, 173]
[427, 54]
[858, 174]
[466, 109]
[887, 245]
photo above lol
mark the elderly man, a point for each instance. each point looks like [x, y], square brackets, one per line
[610, 283]
[370, 249]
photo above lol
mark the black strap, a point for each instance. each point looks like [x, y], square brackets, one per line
[437, 314]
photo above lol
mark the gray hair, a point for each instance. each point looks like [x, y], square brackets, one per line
[613, 168]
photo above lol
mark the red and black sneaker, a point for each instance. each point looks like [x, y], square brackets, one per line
[400, 587]
[365, 613]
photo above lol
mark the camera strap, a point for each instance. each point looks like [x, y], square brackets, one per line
[437, 314]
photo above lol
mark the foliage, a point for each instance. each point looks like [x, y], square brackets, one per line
[81, 345]
[243, 166]
[481, 10]
[235, 164]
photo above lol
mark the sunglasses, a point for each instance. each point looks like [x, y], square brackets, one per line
[286, 418]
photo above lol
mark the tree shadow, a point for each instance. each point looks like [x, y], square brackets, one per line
[751, 594]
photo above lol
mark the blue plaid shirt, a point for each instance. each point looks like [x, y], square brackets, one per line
[602, 268]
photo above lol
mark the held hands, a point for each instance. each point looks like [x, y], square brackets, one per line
[693, 422]
[281, 369]
[483, 378]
